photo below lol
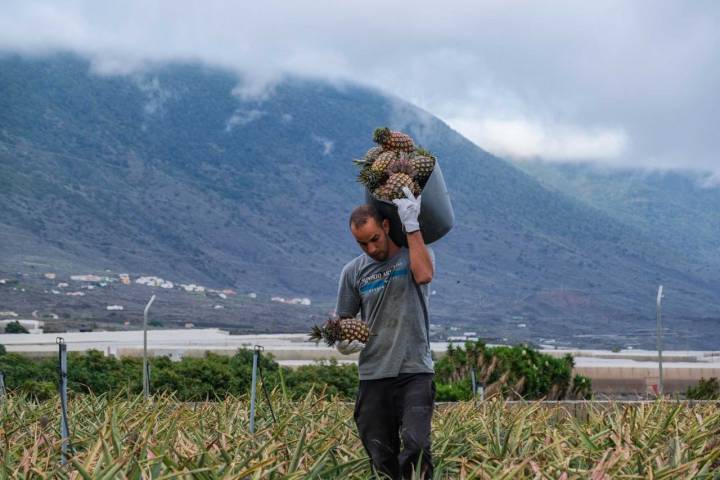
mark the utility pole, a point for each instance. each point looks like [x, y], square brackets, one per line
[659, 339]
[146, 372]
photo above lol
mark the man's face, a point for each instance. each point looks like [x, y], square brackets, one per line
[373, 238]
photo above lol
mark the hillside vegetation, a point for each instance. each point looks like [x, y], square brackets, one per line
[168, 173]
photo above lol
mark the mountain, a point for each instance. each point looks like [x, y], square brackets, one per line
[170, 173]
[680, 208]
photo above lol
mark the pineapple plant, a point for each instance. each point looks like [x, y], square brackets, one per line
[120, 436]
[391, 140]
[337, 330]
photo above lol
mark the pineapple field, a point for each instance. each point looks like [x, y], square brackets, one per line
[314, 437]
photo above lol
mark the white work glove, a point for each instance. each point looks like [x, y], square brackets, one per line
[409, 210]
[348, 347]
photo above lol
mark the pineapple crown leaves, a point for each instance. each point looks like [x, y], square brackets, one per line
[381, 135]
[328, 331]
[369, 178]
[361, 163]
[423, 152]
[373, 153]
[402, 165]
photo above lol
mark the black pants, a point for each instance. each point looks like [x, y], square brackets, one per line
[389, 410]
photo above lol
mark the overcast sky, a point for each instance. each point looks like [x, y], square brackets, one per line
[619, 82]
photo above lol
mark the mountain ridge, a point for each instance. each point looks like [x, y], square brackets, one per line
[169, 173]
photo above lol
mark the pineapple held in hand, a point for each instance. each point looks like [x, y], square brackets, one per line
[341, 329]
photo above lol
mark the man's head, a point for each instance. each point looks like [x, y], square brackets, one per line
[371, 231]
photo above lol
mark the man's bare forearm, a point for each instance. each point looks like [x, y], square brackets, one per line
[420, 263]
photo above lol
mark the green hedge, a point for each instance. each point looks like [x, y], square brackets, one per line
[517, 372]
[214, 376]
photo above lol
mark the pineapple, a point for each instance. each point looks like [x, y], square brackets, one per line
[393, 140]
[395, 184]
[383, 161]
[372, 154]
[370, 178]
[402, 164]
[423, 165]
[337, 330]
[382, 192]
[394, 164]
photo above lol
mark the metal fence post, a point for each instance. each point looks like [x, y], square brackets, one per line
[659, 341]
[256, 353]
[473, 382]
[62, 387]
[146, 368]
[2, 384]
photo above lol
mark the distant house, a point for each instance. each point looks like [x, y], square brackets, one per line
[191, 287]
[154, 282]
[115, 308]
[124, 278]
[299, 301]
[456, 339]
[86, 278]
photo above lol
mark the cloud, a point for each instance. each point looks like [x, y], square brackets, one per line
[241, 117]
[157, 96]
[711, 180]
[613, 81]
[327, 144]
[523, 139]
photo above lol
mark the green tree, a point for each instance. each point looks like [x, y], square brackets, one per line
[15, 327]
[705, 390]
[516, 371]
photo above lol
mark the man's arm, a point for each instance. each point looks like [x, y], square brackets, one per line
[348, 304]
[348, 298]
[420, 262]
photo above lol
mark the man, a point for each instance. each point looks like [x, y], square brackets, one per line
[388, 286]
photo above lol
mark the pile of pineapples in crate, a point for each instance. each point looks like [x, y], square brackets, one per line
[393, 164]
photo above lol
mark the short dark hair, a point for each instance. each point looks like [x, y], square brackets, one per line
[361, 214]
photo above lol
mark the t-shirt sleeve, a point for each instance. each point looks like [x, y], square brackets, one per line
[348, 301]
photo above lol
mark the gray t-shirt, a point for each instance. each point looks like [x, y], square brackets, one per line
[386, 296]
